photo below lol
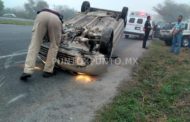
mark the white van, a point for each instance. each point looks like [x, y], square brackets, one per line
[135, 24]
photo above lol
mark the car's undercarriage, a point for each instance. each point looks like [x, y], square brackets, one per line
[87, 40]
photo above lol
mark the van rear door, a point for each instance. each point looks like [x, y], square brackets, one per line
[131, 24]
[140, 24]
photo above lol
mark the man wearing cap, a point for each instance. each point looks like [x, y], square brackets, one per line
[147, 29]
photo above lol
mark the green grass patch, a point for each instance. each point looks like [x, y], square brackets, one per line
[158, 92]
[15, 22]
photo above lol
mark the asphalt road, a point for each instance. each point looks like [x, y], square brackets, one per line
[17, 19]
[62, 98]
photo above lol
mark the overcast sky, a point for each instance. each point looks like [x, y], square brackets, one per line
[134, 5]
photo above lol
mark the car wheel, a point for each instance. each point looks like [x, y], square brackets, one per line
[185, 42]
[124, 14]
[126, 36]
[85, 6]
[106, 43]
[168, 42]
[141, 37]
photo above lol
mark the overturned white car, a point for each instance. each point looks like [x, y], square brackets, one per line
[88, 40]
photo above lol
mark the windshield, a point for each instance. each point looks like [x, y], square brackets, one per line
[132, 20]
[140, 21]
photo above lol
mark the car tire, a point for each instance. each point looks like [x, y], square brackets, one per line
[124, 15]
[185, 42]
[85, 6]
[141, 37]
[126, 36]
[168, 42]
[106, 42]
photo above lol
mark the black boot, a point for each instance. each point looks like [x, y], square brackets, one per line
[24, 77]
[48, 74]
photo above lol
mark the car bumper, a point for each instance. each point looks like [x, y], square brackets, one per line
[133, 33]
[68, 62]
[167, 37]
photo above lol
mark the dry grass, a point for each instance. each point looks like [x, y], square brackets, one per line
[158, 92]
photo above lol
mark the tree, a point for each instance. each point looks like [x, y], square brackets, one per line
[65, 11]
[170, 10]
[1, 7]
[33, 6]
[8, 10]
[41, 5]
[29, 7]
[20, 12]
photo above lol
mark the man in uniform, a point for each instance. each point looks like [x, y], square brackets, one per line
[177, 36]
[147, 29]
[47, 23]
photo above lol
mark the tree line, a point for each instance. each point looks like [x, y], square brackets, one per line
[30, 8]
[168, 10]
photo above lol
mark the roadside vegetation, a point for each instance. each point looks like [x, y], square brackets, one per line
[15, 22]
[30, 8]
[158, 92]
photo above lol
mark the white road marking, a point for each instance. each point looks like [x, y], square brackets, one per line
[2, 78]
[16, 98]
[1, 84]
[20, 62]
[20, 51]
[8, 62]
[13, 55]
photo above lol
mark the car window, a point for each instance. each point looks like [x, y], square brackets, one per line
[169, 26]
[131, 20]
[140, 21]
[172, 26]
[185, 26]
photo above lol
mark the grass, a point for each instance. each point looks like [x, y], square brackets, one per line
[15, 22]
[158, 92]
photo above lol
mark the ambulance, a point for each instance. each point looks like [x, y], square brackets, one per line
[135, 25]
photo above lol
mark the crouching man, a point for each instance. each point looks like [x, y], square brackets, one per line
[47, 22]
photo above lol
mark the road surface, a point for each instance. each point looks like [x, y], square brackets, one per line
[16, 19]
[63, 98]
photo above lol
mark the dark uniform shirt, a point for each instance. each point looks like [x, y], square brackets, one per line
[147, 26]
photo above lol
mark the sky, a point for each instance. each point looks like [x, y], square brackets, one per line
[133, 5]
